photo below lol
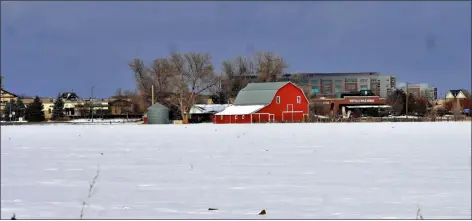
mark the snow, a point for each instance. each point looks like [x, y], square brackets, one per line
[101, 121]
[294, 171]
[240, 109]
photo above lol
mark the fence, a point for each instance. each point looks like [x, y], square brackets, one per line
[390, 119]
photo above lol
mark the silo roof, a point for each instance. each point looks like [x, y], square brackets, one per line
[158, 106]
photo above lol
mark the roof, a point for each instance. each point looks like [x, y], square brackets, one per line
[258, 93]
[119, 101]
[5, 91]
[157, 106]
[456, 92]
[69, 95]
[241, 110]
[207, 108]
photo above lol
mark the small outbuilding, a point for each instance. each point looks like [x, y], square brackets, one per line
[200, 113]
[266, 102]
[157, 114]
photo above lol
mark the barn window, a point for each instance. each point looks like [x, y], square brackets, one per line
[242, 117]
[277, 99]
[235, 117]
[221, 117]
[299, 99]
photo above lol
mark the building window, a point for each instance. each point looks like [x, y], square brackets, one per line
[315, 90]
[235, 117]
[364, 80]
[49, 110]
[326, 81]
[221, 117]
[337, 89]
[299, 99]
[364, 87]
[277, 99]
[314, 82]
[351, 80]
[338, 82]
[351, 87]
[242, 117]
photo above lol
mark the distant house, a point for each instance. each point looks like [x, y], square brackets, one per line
[460, 99]
[5, 97]
[457, 94]
[266, 102]
[70, 96]
[121, 107]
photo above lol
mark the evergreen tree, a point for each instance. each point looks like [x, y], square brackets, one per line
[58, 109]
[8, 110]
[34, 111]
[20, 108]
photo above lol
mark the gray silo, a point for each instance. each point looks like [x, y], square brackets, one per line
[158, 114]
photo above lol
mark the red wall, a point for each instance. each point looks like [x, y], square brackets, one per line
[230, 119]
[288, 95]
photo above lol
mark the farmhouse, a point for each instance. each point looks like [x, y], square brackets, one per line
[266, 102]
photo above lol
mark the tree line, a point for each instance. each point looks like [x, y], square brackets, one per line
[180, 78]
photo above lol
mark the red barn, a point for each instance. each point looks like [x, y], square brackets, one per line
[266, 102]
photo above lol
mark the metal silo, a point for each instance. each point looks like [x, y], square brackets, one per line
[158, 114]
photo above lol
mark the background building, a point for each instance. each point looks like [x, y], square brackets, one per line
[333, 84]
[5, 97]
[420, 90]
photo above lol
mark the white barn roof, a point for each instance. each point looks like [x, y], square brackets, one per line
[207, 108]
[241, 109]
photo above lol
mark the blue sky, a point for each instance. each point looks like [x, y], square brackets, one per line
[52, 47]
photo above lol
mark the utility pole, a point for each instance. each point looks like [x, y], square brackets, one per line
[1, 95]
[91, 102]
[406, 108]
[9, 112]
[152, 95]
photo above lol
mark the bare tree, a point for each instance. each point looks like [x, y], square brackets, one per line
[162, 78]
[192, 74]
[456, 109]
[397, 100]
[427, 94]
[236, 75]
[119, 92]
[317, 108]
[270, 67]
[143, 80]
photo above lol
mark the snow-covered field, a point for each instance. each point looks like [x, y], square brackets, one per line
[317, 171]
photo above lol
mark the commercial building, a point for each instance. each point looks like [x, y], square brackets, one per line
[360, 102]
[266, 102]
[420, 90]
[334, 84]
